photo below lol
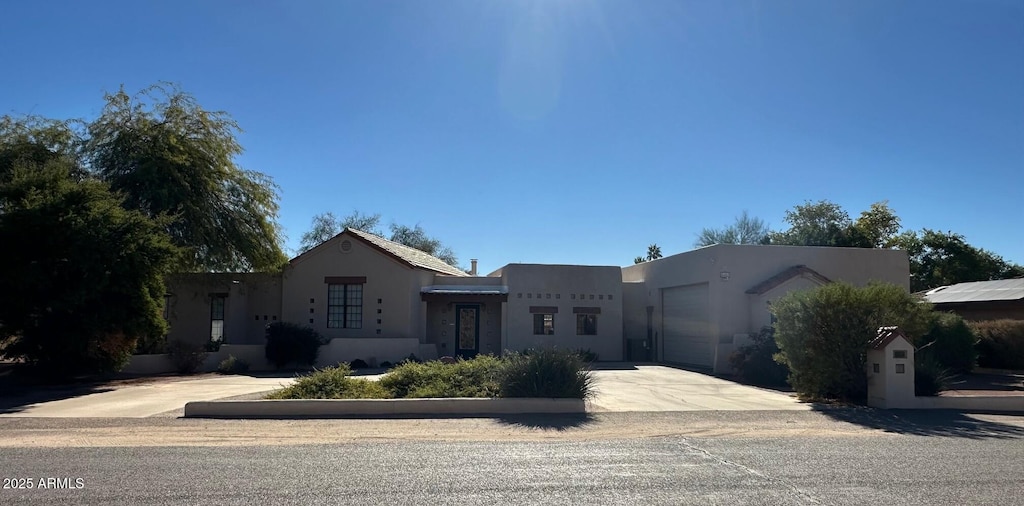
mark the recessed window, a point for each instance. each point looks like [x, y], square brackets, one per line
[380, 301]
[257, 317]
[586, 324]
[378, 331]
[558, 296]
[547, 296]
[519, 295]
[310, 321]
[600, 297]
[591, 296]
[345, 306]
[899, 353]
[310, 310]
[312, 301]
[901, 368]
[264, 317]
[875, 368]
[529, 296]
[273, 318]
[543, 324]
[572, 296]
[609, 297]
[217, 303]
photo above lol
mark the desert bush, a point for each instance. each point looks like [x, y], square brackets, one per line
[358, 364]
[546, 372]
[232, 365]
[1000, 343]
[823, 334]
[755, 363]
[586, 355]
[385, 365]
[477, 377]
[949, 342]
[186, 357]
[930, 376]
[331, 383]
[290, 343]
[151, 345]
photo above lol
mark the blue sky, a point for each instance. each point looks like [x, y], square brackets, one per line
[571, 131]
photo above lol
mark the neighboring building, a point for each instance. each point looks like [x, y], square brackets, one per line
[981, 300]
[385, 300]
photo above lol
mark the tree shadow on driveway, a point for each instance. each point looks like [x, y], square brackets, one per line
[17, 400]
[558, 422]
[939, 422]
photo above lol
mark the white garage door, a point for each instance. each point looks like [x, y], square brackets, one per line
[686, 326]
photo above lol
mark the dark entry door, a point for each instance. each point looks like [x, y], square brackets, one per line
[467, 330]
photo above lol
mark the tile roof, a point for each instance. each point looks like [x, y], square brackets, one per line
[411, 256]
[790, 273]
[978, 291]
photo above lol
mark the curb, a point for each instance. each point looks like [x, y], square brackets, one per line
[334, 408]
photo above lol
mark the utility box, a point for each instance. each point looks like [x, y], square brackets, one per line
[890, 369]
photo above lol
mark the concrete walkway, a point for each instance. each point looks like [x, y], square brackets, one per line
[149, 399]
[661, 388]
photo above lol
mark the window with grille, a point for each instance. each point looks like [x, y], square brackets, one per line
[344, 306]
[217, 318]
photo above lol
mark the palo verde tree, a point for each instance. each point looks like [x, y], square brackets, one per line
[85, 280]
[170, 157]
[745, 230]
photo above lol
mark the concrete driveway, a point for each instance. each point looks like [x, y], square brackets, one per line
[159, 396]
[661, 388]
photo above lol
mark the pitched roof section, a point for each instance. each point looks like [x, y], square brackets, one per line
[404, 254]
[786, 275]
[978, 291]
[885, 336]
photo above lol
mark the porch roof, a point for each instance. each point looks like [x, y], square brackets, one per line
[465, 290]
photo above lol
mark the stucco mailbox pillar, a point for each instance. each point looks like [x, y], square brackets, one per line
[890, 370]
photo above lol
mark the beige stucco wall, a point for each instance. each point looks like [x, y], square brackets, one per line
[394, 284]
[562, 286]
[248, 296]
[730, 270]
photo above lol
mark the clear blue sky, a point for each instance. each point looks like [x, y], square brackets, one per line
[571, 131]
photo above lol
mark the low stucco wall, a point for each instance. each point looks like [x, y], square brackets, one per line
[379, 407]
[976, 403]
[367, 348]
[149, 364]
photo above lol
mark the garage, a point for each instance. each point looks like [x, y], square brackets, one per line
[685, 323]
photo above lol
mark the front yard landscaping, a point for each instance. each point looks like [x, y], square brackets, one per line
[547, 373]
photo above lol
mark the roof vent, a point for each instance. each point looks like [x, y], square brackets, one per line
[346, 246]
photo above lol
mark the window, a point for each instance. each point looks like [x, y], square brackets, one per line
[586, 324]
[167, 307]
[344, 306]
[543, 324]
[899, 353]
[217, 318]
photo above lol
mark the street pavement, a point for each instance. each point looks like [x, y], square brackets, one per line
[840, 456]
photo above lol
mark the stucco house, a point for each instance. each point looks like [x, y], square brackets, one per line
[378, 299]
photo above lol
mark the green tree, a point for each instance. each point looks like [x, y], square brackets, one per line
[823, 334]
[85, 280]
[825, 223]
[171, 157]
[745, 230]
[875, 228]
[327, 225]
[416, 237]
[945, 258]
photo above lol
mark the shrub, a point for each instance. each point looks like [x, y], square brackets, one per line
[477, 377]
[587, 355]
[358, 364]
[232, 365]
[290, 343]
[755, 363]
[950, 343]
[930, 377]
[823, 334]
[546, 372]
[151, 345]
[331, 383]
[385, 365]
[1000, 343]
[187, 357]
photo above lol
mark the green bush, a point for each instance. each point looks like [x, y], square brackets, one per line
[755, 363]
[232, 365]
[823, 334]
[290, 343]
[186, 357]
[1000, 343]
[477, 377]
[950, 342]
[930, 376]
[546, 372]
[331, 383]
[358, 364]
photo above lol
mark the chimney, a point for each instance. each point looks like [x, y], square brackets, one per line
[472, 267]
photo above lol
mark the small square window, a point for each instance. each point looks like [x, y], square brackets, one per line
[600, 297]
[378, 321]
[264, 317]
[538, 295]
[380, 301]
[582, 296]
[519, 295]
[310, 310]
[572, 296]
[875, 368]
[609, 297]
[378, 311]
[310, 320]
[901, 368]
[548, 296]
[257, 317]
[312, 301]
[378, 331]
[591, 296]
[529, 296]
[558, 296]
[273, 318]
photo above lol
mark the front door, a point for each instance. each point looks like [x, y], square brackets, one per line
[467, 326]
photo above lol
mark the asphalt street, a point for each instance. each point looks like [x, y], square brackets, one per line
[838, 457]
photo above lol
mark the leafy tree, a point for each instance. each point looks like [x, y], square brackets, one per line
[825, 223]
[416, 237]
[945, 258]
[327, 225]
[653, 252]
[85, 279]
[823, 334]
[876, 227]
[170, 157]
[746, 230]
